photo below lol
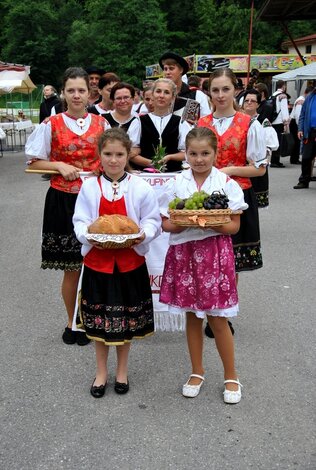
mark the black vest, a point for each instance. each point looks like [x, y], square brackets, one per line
[93, 110]
[113, 123]
[170, 137]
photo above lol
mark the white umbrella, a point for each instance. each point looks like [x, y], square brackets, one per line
[307, 72]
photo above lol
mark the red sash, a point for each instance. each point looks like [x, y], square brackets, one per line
[104, 261]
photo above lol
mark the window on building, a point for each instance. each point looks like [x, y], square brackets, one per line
[308, 49]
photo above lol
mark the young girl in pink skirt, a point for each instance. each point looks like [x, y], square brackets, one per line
[199, 274]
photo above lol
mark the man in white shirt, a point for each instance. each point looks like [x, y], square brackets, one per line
[174, 67]
[282, 119]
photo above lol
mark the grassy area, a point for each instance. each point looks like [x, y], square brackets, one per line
[21, 101]
[29, 104]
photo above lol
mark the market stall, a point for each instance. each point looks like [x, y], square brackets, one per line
[14, 78]
[299, 76]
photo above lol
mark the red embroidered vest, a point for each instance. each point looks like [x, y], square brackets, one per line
[74, 149]
[103, 261]
[232, 145]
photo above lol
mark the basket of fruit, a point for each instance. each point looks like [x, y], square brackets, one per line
[201, 210]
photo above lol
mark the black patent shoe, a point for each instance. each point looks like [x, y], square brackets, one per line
[301, 185]
[209, 333]
[82, 338]
[121, 388]
[97, 391]
[69, 336]
[277, 165]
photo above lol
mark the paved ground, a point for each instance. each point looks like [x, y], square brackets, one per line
[49, 420]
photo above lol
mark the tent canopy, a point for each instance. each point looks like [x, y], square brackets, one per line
[15, 78]
[17, 86]
[308, 72]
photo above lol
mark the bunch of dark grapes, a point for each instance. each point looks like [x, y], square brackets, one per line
[216, 200]
[201, 200]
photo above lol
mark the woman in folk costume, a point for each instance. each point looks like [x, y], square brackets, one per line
[251, 103]
[241, 154]
[66, 142]
[161, 128]
[122, 96]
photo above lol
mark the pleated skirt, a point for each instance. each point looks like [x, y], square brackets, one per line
[246, 243]
[260, 186]
[116, 308]
[199, 276]
[60, 247]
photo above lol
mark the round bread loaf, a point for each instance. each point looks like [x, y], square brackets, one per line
[113, 224]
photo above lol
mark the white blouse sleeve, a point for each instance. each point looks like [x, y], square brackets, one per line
[184, 128]
[204, 106]
[150, 220]
[256, 145]
[271, 138]
[134, 132]
[167, 195]
[86, 209]
[38, 144]
[235, 195]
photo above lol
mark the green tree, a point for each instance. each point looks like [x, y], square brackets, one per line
[34, 34]
[124, 36]
[227, 27]
[121, 36]
[182, 22]
[222, 27]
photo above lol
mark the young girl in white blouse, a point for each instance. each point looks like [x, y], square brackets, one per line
[116, 301]
[199, 274]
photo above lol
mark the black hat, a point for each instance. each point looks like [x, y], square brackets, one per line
[94, 69]
[239, 84]
[180, 60]
[254, 73]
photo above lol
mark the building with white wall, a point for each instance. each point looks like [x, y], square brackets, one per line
[306, 45]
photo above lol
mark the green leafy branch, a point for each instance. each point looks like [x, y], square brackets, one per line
[160, 153]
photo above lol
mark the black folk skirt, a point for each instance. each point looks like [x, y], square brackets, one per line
[260, 186]
[115, 308]
[246, 243]
[60, 247]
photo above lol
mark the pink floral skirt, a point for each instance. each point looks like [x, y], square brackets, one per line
[200, 275]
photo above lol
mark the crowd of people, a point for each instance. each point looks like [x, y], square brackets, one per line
[299, 122]
[214, 136]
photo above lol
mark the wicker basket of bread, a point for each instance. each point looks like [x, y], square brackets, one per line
[201, 210]
[114, 231]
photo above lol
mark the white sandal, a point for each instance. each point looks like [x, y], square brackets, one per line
[230, 396]
[192, 391]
